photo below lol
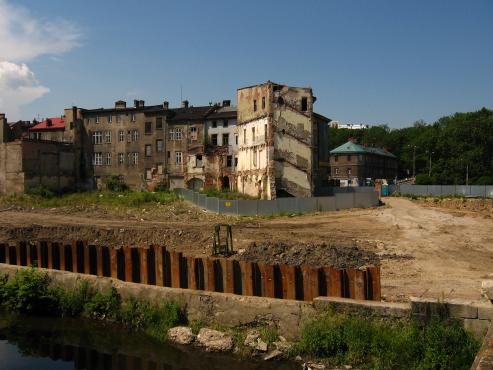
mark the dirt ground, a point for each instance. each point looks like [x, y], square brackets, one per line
[423, 249]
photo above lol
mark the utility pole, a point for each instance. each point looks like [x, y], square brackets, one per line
[429, 168]
[414, 161]
[467, 174]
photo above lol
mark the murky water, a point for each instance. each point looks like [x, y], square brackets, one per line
[56, 344]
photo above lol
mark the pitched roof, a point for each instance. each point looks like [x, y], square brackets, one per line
[50, 124]
[352, 147]
[223, 112]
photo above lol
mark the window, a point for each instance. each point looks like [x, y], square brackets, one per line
[236, 139]
[159, 123]
[236, 161]
[193, 129]
[148, 150]
[121, 158]
[121, 136]
[175, 134]
[107, 137]
[97, 159]
[110, 118]
[198, 160]
[336, 158]
[129, 136]
[214, 124]
[148, 174]
[168, 156]
[98, 119]
[265, 132]
[214, 139]
[148, 128]
[97, 137]
[253, 134]
[134, 161]
[135, 135]
[304, 104]
[178, 134]
[118, 118]
[107, 159]
[225, 139]
[244, 136]
[263, 102]
[349, 171]
[229, 160]
[160, 168]
[254, 158]
[254, 105]
[133, 118]
[178, 158]
[349, 157]
[159, 145]
[225, 123]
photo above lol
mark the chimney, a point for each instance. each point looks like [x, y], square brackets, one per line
[165, 105]
[120, 104]
[141, 104]
[136, 103]
[2, 116]
[48, 122]
[226, 103]
[184, 104]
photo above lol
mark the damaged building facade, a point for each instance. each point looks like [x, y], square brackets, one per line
[283, 144]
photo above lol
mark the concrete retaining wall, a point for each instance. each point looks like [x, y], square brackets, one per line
[362, 198]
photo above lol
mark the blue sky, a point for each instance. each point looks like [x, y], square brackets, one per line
[368, 61]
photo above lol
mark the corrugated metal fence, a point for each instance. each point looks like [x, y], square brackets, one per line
[485, 191]
[342, 199]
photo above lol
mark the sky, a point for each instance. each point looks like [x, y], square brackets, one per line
[375, 62]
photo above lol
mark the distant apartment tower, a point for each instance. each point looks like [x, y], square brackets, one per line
[283, 144]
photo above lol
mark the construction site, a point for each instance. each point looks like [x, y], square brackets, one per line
[427, 249]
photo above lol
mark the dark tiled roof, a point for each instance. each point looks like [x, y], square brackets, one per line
[189, 114]
[351, 147]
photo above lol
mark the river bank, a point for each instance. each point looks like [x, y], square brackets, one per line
[393, 341]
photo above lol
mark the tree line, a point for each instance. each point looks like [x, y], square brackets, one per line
[451, 151]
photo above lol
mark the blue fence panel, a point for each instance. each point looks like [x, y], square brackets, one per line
[228, 207]
[212, 204]
[287, 205]
[306, 205]
[247, 207]
[365, 200]
[489, 191]
[478, 191]
[462, 190]
[344, 201]
[267, 207]
[201, 200]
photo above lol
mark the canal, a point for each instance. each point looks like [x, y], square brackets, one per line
[62, 344]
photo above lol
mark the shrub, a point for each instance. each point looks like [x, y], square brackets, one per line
[485, 180]
[28, 292]
[42, 191]
[71, 302]
[103, 305]
[424, 179]
[116, 183]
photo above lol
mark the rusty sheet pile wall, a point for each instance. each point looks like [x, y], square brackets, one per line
[155, 265]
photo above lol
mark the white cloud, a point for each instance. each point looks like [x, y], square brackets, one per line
[24, 36]
[18, 86]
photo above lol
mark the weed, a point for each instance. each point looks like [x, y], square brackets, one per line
[103, 305]
[71, 302]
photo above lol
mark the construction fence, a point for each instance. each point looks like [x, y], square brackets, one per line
[341, 199]
[155, 265]
[484, 191]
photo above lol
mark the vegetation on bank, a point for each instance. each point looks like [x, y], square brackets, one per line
[41, 197]
[455, 145]
[32, 292]
[330, 337]
[225, 194]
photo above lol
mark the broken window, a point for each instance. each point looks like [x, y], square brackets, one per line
[349, 157]
[148, 174]
[160, 168]
[244, 136]
[214, 139]
[229, 161]
[304, 104]
[121, 136]
[236, 161]
[198, 160]
[225, 139]
[336, 158]
[265, 132]
[168, 156]
[178, 158]
[107, 160]
[193, 133]
[159, 145]
[97, 159]
[148, 150]
[159, 123]
[225, 123]
[121, 158]
[263, 102]
[107, 137]
[148, 128]
[214, 124]
[236, 139]
[97, 137]
[253, 134]
[254, 105]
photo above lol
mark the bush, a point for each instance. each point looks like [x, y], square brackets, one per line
[485, 180]
[103, 305]
[71, 302]
[424, 179]
[117, 184]
[383, 345]
[42, 191]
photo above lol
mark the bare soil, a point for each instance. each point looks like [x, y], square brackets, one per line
[423, 249]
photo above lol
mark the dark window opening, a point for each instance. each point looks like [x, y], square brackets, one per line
[254, 105]
[214, 139]
[159, 123]
[304, 104]
[229, 160]
[225, 123]
[148, 128]
[214, 124]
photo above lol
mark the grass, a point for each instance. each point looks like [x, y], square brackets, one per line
[225, 194]
[32, 292]
[371, 344]
[105, 199]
